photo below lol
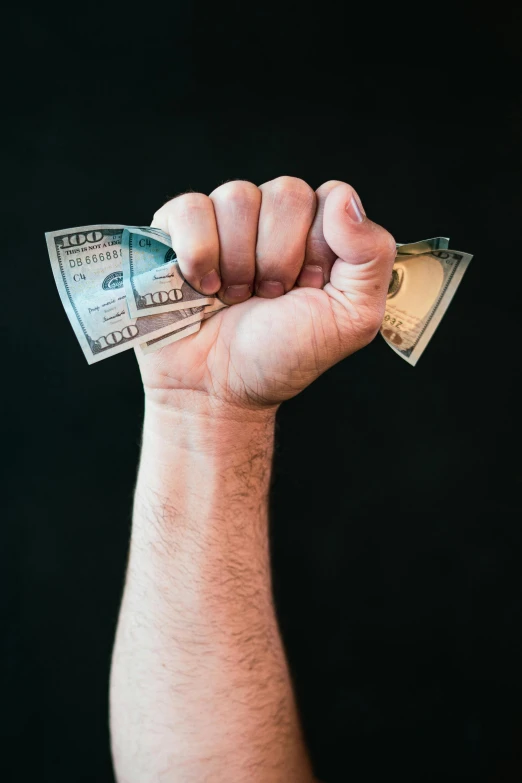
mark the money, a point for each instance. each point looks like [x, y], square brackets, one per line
[172, 337]
[87, 268]
[212, 309]
[424, 280]
[424, 246]
[151, 276]
[121, 287]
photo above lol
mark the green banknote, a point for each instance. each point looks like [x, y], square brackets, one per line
[151, 276]
[121, 286]
[87, 268]
[172, 337]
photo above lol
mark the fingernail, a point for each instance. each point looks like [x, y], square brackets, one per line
[311, 276]
[355, 209]
[269, 289]
[236, 293]
[210, 283]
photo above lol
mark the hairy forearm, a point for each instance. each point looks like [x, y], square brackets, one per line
[200, 689]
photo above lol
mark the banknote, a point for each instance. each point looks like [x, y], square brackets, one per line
[151, 276]
[421, 288]
[172, 337]
[403, 251]
[424, 246]
[87, 268]
[102, 273]
[212, 309]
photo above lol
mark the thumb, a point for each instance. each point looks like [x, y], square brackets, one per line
[361, 274]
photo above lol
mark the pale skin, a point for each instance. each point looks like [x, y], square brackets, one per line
[200, 687]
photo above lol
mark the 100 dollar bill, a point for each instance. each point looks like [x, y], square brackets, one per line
[93, 272]
[151, 276]
[424, 280]
[172, 337]
[87, 268]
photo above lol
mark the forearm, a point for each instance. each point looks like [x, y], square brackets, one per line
[199, 687]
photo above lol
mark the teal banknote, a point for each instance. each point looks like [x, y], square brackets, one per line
[151, 277]
[87, 268]
[121, 286]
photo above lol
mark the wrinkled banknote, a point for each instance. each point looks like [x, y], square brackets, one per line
[171, 337]
[151, 276]
[121, 287]
[424, 246]
[87, 268]
[424, 280]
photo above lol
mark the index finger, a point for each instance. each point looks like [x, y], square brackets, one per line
[191, 222]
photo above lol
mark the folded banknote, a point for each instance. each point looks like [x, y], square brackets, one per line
[121, 287]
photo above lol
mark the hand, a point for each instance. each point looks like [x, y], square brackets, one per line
[306, 275]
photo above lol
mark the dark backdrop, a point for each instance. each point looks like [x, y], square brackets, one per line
[396, 501]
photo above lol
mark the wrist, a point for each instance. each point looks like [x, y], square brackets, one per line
[209, 456]
[204, 426]
[204, 477]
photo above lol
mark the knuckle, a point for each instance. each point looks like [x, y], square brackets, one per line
[292, 187]
[238, 192]
[374, 245]
[182, 206]
[190, 203]
[326, 187]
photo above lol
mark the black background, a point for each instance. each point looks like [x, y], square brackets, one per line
[396, 499]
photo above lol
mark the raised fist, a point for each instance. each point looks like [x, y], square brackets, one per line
[306, 274]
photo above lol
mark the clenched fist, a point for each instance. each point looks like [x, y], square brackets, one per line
[306, 274]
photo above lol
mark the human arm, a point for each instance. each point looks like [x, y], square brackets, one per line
[200, 688]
